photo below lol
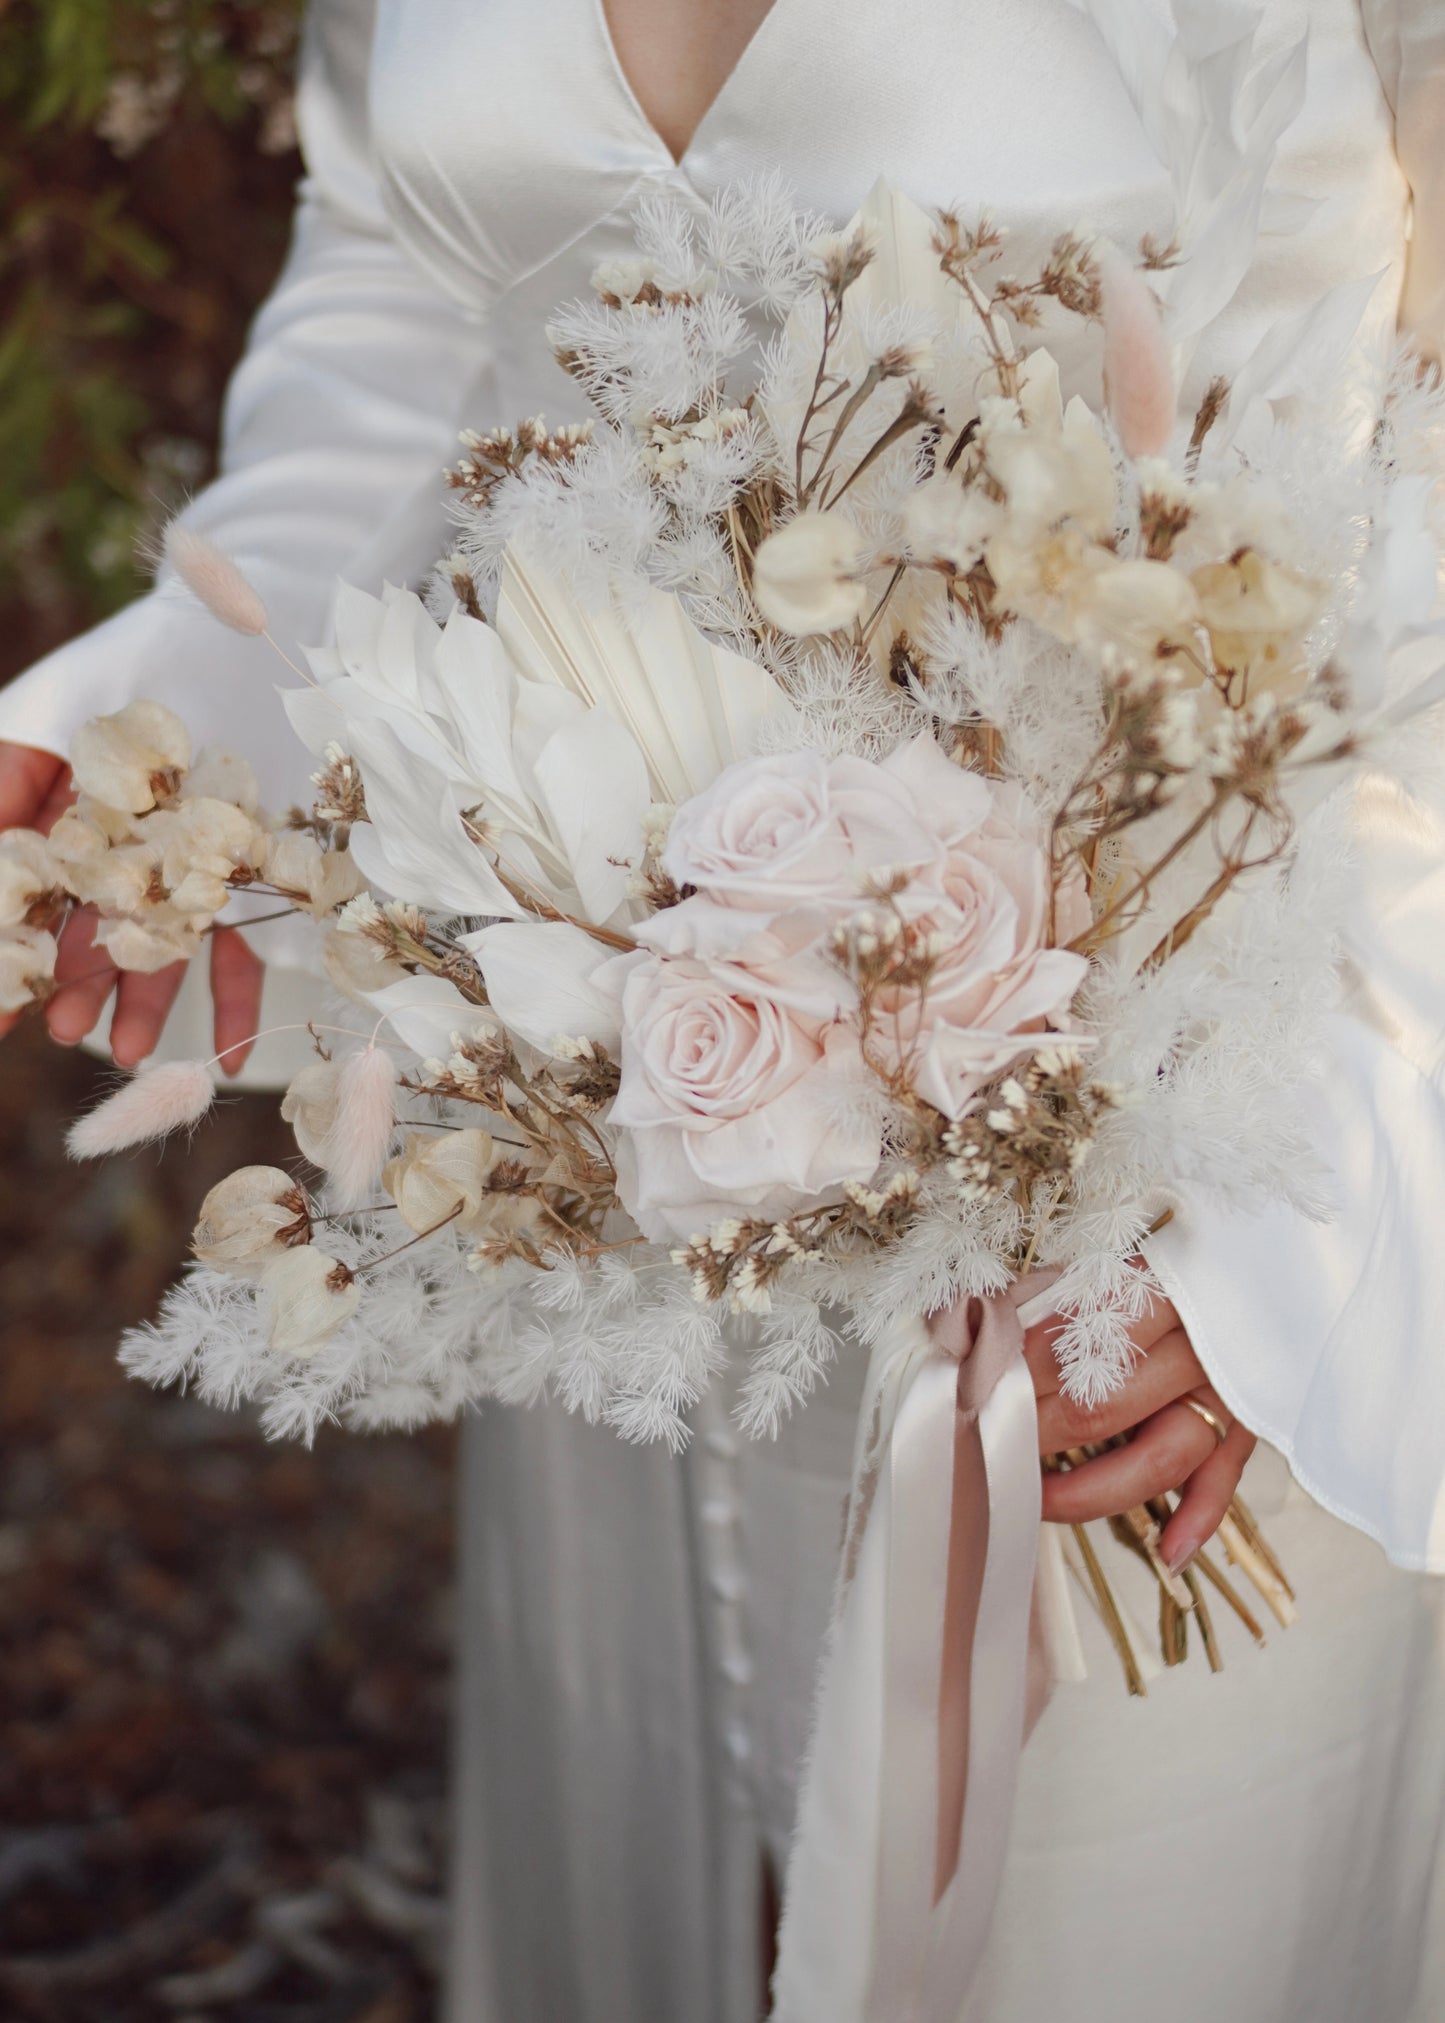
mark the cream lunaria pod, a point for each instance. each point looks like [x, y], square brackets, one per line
[342, 1114]
[319, 881]
[27, 966]
[152, 940]
[311, 1295]
[309, 1107]
[116, 877]
[441, 1179]
[28, 873]
[203, 842]
[247, 1218]
[131, 759]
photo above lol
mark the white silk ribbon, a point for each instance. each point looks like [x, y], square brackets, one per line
[924, 1694]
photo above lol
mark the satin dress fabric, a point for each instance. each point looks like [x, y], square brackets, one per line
[640, 1630]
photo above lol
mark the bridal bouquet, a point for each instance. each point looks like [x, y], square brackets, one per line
[847, 835]
[844, 828]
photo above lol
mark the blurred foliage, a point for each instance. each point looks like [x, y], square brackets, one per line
[146, 168]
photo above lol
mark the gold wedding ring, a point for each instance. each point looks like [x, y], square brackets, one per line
[1210, 1419]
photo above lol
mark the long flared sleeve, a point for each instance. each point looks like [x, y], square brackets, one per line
[1328, 1339]
[358, 373]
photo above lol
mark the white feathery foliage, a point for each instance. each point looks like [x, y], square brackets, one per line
[664, 361]
[755, 234]
[1043, 697]
[625, 1344]
[598, 523]
[842, 710]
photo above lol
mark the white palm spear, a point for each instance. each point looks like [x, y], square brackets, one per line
[692, 707]
[513, 764]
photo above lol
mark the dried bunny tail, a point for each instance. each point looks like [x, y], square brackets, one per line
[214, 579]
[365, 1119]
[152, 1104]
[1138, 366]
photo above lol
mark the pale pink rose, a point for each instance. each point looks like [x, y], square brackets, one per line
[795, 830]
[786, 957]
[997, 980]
[730, 1104]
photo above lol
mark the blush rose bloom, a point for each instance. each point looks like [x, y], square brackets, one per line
[800, 830]
[997, 979]
[730, 1104]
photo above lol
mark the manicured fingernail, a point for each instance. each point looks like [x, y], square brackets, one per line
[1180, 1557]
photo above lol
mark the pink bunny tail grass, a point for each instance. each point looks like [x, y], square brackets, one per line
[1139, 386]
[360, 1138]
[152, 1104]
[214, 579]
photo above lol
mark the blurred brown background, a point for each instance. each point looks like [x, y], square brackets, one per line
[223, 1665]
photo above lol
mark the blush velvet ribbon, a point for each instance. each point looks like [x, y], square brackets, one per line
[932, 1675]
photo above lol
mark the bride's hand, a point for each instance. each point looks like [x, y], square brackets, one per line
[1173, 1445]
[34, 789]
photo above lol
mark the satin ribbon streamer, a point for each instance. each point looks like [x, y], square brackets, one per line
[924, 1693]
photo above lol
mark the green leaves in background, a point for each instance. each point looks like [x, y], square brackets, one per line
[144, 182]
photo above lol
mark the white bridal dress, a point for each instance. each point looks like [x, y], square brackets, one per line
[639, 1631]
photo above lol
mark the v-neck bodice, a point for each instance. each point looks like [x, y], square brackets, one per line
[739, 64]
[511, 148]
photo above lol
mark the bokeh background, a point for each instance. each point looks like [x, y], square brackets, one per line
[223, 1665]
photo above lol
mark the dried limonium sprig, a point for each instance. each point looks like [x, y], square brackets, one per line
[740, 1260]
[490, 459]
[1037, 1126]
[340, 796]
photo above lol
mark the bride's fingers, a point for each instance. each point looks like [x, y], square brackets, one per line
[1165, 1451]
[142, 1005]
[236, 975]
[60, 797]
[1169, 1369]
[26, 778]
[84, 979]
[1206, 1497]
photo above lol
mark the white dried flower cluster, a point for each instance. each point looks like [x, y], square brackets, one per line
[158, 843]
[670, 447]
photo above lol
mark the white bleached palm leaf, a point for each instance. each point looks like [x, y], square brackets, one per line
[693, 707]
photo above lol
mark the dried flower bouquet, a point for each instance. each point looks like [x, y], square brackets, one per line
[844, 828]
